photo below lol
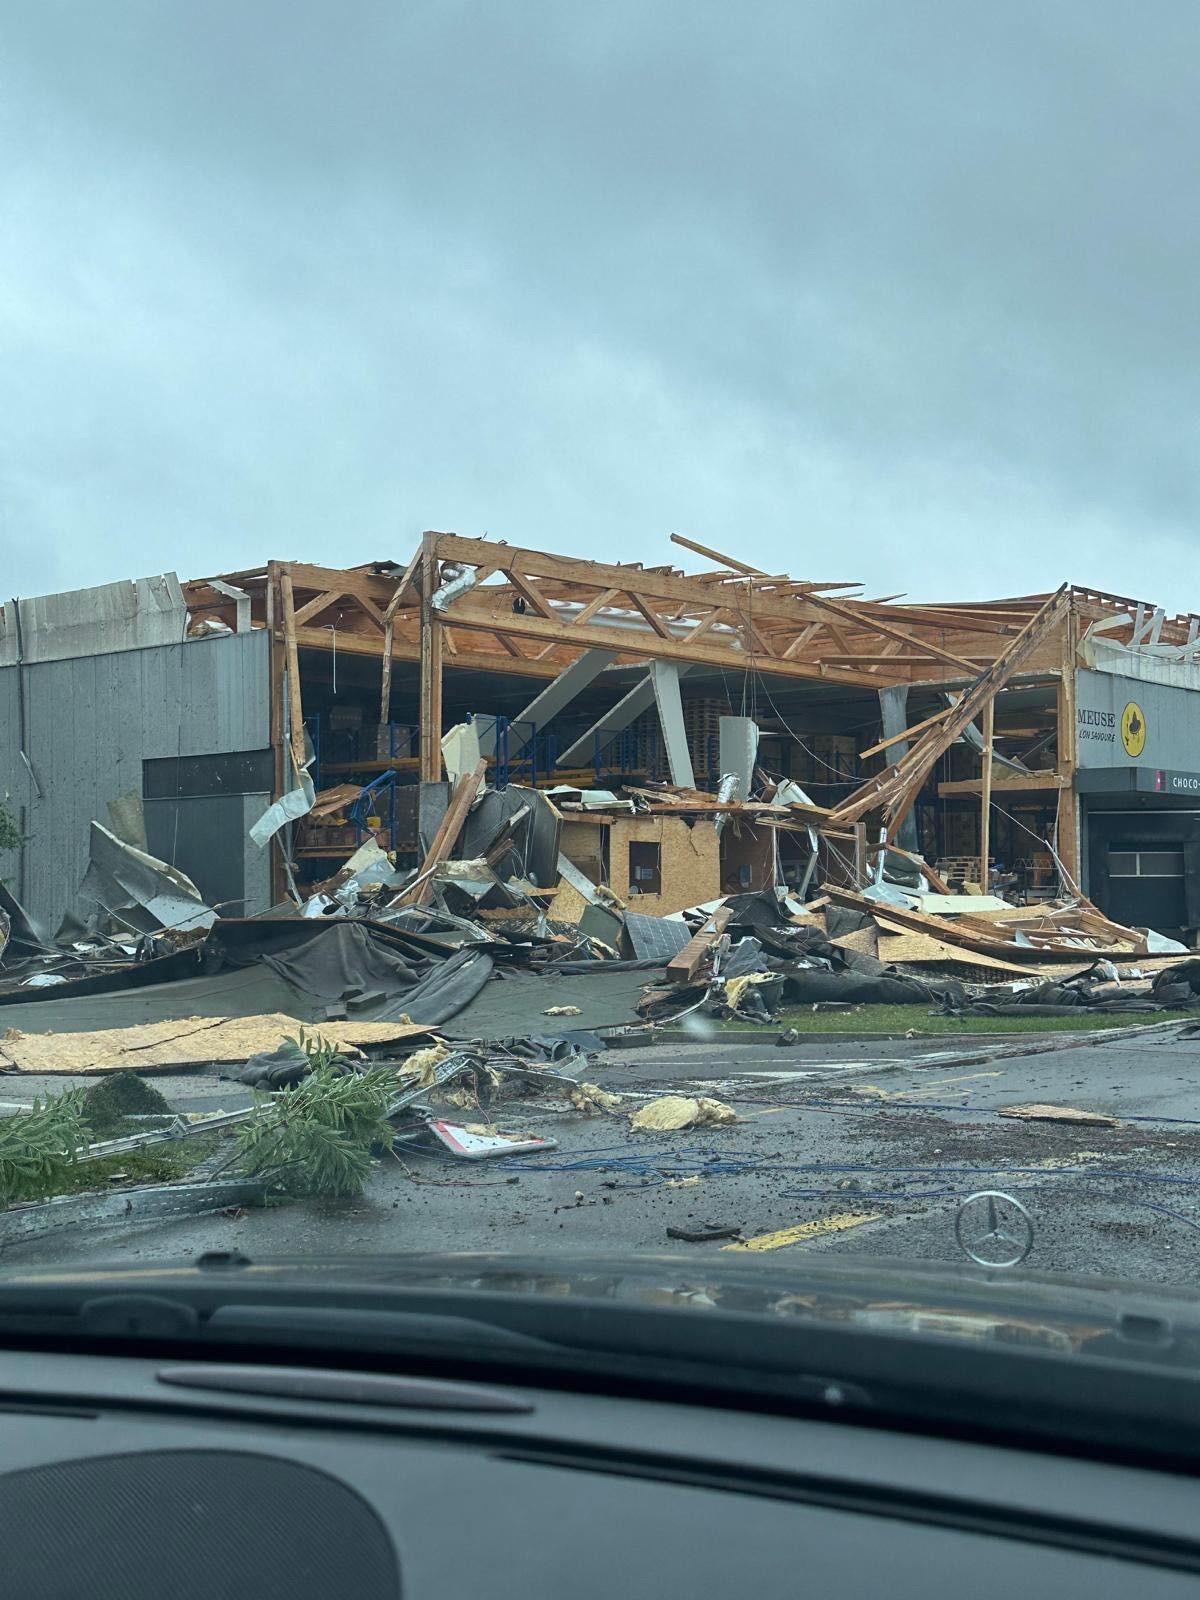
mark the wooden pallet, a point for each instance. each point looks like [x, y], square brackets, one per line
[959, 871]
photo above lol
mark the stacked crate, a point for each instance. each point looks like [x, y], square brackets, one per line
[827, 765]
[702, 728]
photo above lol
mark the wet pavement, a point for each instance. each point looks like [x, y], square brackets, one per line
[863, 1148]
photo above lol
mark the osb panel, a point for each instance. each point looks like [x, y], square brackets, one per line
[744, 846]
[583, 844]
[691, 862]
[865, 940]
[150, 1046]
[915, 949]
[568, 905]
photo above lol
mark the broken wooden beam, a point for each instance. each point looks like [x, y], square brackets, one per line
[897, 791]
[682, 968]
[1071, 1114]
[446, 837]
[296, 743]
[1010, 783]
[970, 934]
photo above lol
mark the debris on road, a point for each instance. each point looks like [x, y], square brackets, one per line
[591, 1099]
[1040, 1113]
[471, 1141]
[176, 1045]
[672, 1112]
[422, 894]
[315, 1137]
[705, 1235]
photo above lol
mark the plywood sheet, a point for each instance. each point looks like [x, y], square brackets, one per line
[1073, 1114]
[867, 941]
[916, 949]
[583, 844]
[752, 848]
[690, 862]
[174, 1043]
[569, 905]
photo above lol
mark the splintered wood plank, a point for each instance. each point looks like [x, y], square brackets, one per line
[908, 776]
[1071, 1114]
[295, 707]
[431, 673]
[682, 968]
[406, 589]
[444, 840]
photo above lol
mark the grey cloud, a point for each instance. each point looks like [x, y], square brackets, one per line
[906, 292]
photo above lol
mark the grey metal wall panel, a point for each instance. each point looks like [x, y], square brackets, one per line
[132, 614]
[14, 781]
[256, 861]
[92, 720]
[1121, 722]
[205, 836]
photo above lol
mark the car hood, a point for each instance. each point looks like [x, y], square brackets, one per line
[928, 1299]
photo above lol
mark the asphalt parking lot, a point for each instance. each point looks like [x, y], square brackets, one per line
[863, 1148]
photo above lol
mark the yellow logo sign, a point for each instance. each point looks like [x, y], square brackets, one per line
[1133, 729]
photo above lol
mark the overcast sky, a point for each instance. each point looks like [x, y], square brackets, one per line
[903, 291]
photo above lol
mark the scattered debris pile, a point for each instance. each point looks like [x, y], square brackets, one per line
[538, 924]
[587, 909]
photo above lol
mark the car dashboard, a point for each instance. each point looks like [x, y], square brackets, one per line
[140, 1477]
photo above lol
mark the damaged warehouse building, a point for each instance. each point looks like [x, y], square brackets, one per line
[645, 741]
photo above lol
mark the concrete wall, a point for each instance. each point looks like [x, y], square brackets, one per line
[91, 721]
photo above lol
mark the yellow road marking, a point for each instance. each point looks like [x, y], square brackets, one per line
[803, 1231]
[941, 1083]
[915, 1093]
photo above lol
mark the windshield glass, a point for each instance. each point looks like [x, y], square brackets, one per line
[759, 825]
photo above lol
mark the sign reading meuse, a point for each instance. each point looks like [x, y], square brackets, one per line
[1121, 722]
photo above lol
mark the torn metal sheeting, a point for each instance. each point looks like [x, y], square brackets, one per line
[153, 1203]
[137, 890]
[130, 614]
[603, 924]
[180, 1127]
[567, 796]
[290, 807]
[461, 752]
[534, 839]
[369, 865]
[127, 815]
[25, 938]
